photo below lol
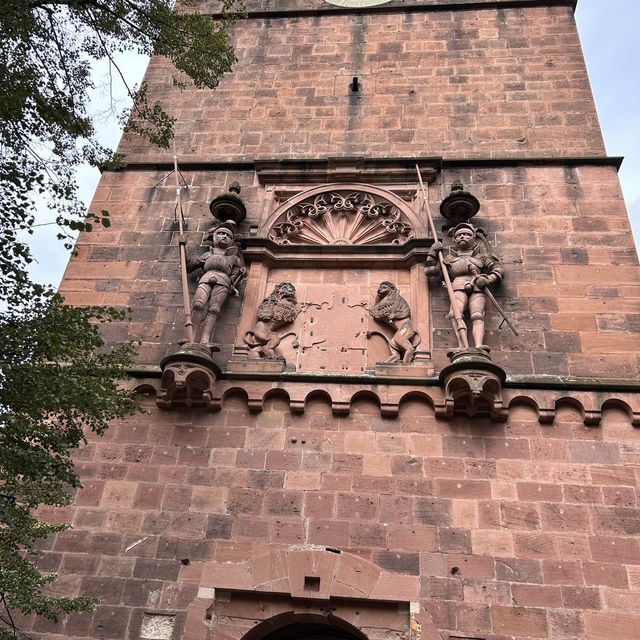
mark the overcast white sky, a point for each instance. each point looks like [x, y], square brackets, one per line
[608, 31]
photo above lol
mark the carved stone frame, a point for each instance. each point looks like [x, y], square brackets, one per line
[385, 194]
[301, 581]
[263, 256]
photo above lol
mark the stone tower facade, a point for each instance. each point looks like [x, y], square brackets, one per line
[338, 463]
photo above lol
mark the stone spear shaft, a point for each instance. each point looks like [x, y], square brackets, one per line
[182, 245]
[461, 327]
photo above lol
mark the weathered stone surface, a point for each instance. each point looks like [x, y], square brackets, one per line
[526, 528]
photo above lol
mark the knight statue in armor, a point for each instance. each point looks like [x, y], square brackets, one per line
[221, 270]
[473, 271]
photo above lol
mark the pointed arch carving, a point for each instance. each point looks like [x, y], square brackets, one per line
[342, 215]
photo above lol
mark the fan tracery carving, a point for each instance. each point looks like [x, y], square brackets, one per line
[342, 218]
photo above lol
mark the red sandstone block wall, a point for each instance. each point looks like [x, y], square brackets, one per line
[571, 284]
[471, 83]
[515, 530]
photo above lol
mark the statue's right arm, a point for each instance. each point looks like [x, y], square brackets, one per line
[432, 267]
[194, 263]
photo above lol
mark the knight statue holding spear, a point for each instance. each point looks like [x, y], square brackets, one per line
[221, 269]
[473, 270]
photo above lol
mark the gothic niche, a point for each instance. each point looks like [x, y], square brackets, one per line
[342, 218]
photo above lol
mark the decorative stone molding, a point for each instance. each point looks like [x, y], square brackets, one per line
[590, 405]
[342, 217]
[188, 378]
[390, 396]
[370, 170]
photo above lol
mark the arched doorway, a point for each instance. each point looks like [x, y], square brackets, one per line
[304, 626]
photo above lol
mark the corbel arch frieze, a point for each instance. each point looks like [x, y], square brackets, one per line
[389, 399]
[343, 214]
[589, 404]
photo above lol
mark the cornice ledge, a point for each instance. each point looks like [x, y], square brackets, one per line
[396, 7]
[357, 169]
[372, 170]
[570, 383]
[546, 382]
[265, 250]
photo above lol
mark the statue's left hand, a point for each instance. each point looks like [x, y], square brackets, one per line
[481, 281]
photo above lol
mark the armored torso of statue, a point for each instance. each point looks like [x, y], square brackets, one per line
[222, 269]
[473, 270]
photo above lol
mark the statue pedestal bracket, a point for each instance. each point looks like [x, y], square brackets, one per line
[472, 385]
[188, 377]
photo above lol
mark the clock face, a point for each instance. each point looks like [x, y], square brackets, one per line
[357, 3]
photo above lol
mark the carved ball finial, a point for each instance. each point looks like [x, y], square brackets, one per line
[459, 205]
[229, 206]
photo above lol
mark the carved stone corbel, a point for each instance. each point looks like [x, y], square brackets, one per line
[473, 385]
[188, 378]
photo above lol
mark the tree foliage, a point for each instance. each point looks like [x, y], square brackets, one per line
[55, 385]
[57, 379]
[45, 74]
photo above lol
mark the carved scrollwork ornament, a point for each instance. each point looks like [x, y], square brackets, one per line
[342, 218]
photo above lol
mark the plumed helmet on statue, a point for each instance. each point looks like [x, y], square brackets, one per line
[230, 225]
[463, 225]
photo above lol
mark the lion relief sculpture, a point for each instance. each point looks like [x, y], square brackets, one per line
[275, 311]
[392, 309]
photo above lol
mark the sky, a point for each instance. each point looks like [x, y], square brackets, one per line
[609, 34]
[608, 31]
